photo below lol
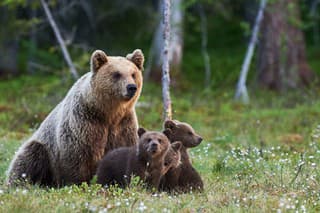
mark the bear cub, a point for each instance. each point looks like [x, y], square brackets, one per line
[173, 157]
[183, 178]
[145, 160]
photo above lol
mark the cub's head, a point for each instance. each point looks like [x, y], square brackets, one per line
[117, 77]
[173, 156]
[152, 144]
[180, 131]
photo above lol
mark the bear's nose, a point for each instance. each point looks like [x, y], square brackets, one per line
[131, 89]
[200, 139]
[154, 145]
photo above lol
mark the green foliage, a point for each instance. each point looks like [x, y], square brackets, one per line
[12, 3]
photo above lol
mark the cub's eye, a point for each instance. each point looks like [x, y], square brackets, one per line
[190, 133]
[160, 141]
[133, 76]
[149, 140]
[116, 75]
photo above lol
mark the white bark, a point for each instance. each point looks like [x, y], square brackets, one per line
[176, 41]
[241, 92]
[167, 111]
[204, 43]
[60, 40]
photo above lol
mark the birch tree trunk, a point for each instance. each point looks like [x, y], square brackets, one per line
[167, 111]
[60, 40]
[282, 62]
[241, 92]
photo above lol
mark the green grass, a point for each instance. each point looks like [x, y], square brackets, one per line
[258, 157]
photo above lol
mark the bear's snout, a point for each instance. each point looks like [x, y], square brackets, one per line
[131, 90]
[197, 141]
[153, 147]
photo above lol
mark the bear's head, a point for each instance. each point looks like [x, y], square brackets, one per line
[173, 156]
[152, 144]
[180, 131]
[117, 77]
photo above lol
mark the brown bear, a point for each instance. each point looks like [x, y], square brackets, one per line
[173, 157]
[184, 178]
[145, 160]
[96, 116]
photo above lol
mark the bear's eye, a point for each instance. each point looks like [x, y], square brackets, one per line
[160, 141]
[116, 75]
[190, 133]
[149, 140]
[133, 76]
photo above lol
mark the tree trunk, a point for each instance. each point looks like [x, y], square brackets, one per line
[167, 111]
[60, 40]
[204, 44]
[176, 40]
[241, 92]
[155, 59]
[9, 45]
[281, 60]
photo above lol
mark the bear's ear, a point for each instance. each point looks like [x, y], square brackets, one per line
[167, 132]
[141, 131]
[169, 124]
[176, 146]
[137, 58]
[98, 59]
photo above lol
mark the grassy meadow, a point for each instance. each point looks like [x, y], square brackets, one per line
[261, 157]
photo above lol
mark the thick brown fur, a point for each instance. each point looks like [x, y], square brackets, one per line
[39, 168]
[183, 178]
[96, 116]
[173, 157]
[145, 160]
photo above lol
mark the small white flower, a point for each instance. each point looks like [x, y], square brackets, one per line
[93, 208]
[104, 210]
[142, 207]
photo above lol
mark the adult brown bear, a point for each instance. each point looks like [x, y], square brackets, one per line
[96, 116]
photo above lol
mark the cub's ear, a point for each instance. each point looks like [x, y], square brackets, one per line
[141, 131]
[169, 124]
[137, 58]
[167, 132]
[98, 59]
[176, 146]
